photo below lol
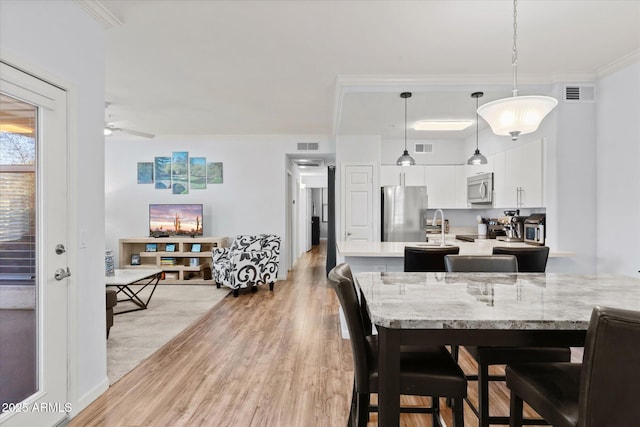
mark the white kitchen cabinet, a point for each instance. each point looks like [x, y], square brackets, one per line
[401, 175]
[461, 186]
[518, 176]
[500, 181]
[471, 170]
[446, 186]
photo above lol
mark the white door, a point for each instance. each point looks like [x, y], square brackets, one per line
[33, 221]
[358, 191]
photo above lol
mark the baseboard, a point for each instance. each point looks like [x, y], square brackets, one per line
[89, 397]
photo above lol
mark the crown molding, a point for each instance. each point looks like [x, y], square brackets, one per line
[618, 64]
[100, 13]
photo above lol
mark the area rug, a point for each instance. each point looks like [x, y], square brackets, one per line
[137, 335]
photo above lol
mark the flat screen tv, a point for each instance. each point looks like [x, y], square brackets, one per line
[175, 219]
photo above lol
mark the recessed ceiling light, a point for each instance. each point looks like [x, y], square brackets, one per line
[443, 125]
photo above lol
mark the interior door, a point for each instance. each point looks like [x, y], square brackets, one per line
[33, 246]
[358, 190]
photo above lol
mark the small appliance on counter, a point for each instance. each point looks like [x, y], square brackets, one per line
[534, 229]
[513, 225]
[494, 230]
[437, 227]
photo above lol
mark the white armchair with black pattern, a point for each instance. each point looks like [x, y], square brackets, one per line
[251, 260]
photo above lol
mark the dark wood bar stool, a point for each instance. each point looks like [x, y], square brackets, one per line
[488, 356]
[427, 259]
[530, 260]
[424, 371]
[603, 390]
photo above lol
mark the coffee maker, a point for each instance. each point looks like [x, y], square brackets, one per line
[513, 225]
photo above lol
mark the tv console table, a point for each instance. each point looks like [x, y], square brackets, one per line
[182, 260]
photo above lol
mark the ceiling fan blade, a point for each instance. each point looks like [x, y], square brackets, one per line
[136, 133]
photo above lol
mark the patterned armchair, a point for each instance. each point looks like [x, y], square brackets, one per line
[250, 261]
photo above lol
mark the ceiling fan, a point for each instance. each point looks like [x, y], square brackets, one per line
[110, 128]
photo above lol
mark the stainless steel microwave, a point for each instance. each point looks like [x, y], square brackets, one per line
[480, 188]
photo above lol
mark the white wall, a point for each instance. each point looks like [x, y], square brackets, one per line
[618, 177]
[252, 198]
[572, 209]
[445, 152]
[60, 42]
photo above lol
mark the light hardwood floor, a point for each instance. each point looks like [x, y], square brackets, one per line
[262, 359]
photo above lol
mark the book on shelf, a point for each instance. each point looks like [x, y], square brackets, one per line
[167, 261]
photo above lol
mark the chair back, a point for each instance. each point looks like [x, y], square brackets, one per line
[341, 279]
[610, 379]
[246, 243]
[530, 260]
[270, 242]
[481, 263]
[429, 259]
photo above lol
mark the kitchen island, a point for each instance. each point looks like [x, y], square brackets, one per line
[389, 256]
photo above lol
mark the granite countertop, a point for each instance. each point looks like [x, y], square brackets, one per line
[396, 249]
[522, 301]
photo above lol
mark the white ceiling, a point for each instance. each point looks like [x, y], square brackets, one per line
[327, 66]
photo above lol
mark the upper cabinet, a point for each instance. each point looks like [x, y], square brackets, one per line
[401, 175]
[446, 184]
[518, 177]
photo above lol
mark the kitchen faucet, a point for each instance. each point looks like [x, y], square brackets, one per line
[442, 227]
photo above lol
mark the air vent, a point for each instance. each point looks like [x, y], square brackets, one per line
[424, 148]
[308, 146]
[579, 93]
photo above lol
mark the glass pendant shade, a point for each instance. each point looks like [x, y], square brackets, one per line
[405, 159]
[477, 159]
[518, 115]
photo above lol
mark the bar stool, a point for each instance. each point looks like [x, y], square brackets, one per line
[530, 260]
[601, 391]
[424, 371]
[487, 356]
[429, 259]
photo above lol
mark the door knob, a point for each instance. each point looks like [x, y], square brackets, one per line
[62, 274]
[60, 249]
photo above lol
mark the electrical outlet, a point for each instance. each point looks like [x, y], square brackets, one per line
[381, 267]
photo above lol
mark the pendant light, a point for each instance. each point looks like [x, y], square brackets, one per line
[477, 158]
[517, 115]
[405, 159]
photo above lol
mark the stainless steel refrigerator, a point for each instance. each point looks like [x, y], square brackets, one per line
[403, 213]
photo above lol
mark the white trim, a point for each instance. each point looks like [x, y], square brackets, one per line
[73, 242]
[85, 400]
[619, 64]
[72, 203]
[100, 13]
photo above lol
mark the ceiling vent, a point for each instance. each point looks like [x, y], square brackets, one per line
[308, 163]
[424, 148]
[308, 146]
[579, 93]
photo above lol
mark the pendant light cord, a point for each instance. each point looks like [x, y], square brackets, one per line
[405, 125]
[477, 120]
[514, 53]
